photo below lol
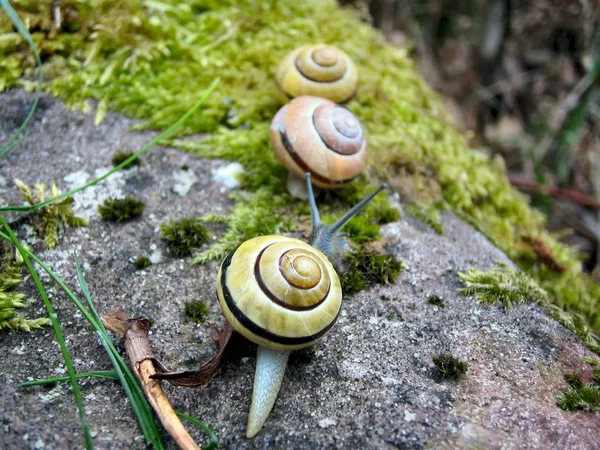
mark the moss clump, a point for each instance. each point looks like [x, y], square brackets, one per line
[196, 311]
[50, 219]
[582, 396]
[448, 367]
[122, 156]
[145, 62]
[436, 300]
[121, 209]
[507, 286]
[10, 301]
[141, 262]
[368, 267]
[184, 236]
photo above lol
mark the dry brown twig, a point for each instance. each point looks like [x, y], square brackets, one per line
[135, 333]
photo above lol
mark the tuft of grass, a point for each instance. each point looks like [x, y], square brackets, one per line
[502, 285]
[50, 219]
[448, 367]
[368, 267]
[121, 209]
[196, 311]
[184, 236]
[141, 262]
[436, 300]
[121, 157]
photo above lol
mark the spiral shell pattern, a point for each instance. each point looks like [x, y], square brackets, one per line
[312, 134]
[279, 292]
[319, 70]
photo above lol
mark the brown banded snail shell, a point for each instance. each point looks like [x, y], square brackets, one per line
[319, 70]
[312, 134]
[283, 295]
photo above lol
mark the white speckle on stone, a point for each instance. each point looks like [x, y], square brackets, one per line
[155, 256]
[39, 444]
[184, 180]
[87, 201]
[408, 416]
[227, 175]
[352, 371]
[326, 423]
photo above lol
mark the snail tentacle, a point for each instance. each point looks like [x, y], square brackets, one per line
[323, 236]
[270, 368]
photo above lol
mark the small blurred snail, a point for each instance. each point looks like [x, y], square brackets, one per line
[312, 134]
[319, 70]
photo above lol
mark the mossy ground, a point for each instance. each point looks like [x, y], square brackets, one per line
[448, 367]
[153, 60]
[121, 209]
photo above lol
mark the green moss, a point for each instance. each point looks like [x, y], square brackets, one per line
[581, 396]
[122, 156]
[10, 301]
[51, 219]
[368, 267]
[502, 285]
[121, 209]
[184, 236]
[259, 213]
[142, 262]
[196, 311]
[152, 63]
[574, 380]
[436, 300]
[448, 367]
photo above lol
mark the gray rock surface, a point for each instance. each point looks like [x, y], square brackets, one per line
[369, 384]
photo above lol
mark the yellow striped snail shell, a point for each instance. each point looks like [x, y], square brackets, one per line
[282, 294]
[295, 294]
[320, 70]
[313, 134]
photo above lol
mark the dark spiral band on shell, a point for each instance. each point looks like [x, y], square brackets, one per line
[257, 329]
[304, 166]
[273, 297]
[299, 69]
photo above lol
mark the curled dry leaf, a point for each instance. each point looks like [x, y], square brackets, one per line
[202, 375]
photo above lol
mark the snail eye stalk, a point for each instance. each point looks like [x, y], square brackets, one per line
[323, 236]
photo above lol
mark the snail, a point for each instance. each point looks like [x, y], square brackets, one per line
[320, 70]
[282, 294]
[313, 134]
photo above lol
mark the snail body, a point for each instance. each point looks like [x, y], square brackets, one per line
[312, 134]
[283, 294]
[319, 70]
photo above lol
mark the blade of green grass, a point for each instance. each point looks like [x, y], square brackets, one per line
[142, 409]
[57, 330]
[164, 135]
[139, 403]
[214, 440]
[108, 374]
[14, 17]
